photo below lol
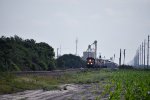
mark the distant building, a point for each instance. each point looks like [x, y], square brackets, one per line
[88, 54]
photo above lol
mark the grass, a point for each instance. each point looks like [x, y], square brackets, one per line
[10, 83]
[117, 85]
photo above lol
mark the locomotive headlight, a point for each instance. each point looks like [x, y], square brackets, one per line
[91, 63]
[88, 63]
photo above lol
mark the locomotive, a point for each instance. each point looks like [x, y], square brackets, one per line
[90, 62]
[99, 63]
[95, 63]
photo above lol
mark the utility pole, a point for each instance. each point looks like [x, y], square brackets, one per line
[57, 52]
[136, 59]
[120, 58]
[60, 50]
[140, 56]
[95, 42]
[144, 53]
[124, 56]
[76, 46]
[148, 52]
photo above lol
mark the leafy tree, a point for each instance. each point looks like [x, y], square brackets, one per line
[70, 61]
[18, 54]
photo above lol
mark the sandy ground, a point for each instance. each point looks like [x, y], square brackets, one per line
[66, 92]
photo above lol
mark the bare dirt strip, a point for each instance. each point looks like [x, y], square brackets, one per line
[66, 92]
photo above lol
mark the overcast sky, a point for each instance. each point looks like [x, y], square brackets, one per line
[114, 24]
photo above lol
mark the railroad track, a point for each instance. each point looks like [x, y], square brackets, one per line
[54, 72]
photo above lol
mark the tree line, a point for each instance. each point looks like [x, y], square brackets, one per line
[17, 54]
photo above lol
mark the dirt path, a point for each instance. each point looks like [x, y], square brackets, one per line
[67, 92]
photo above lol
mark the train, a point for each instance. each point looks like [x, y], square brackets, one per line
[93, 62]
[99, 63]
[90, 62]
